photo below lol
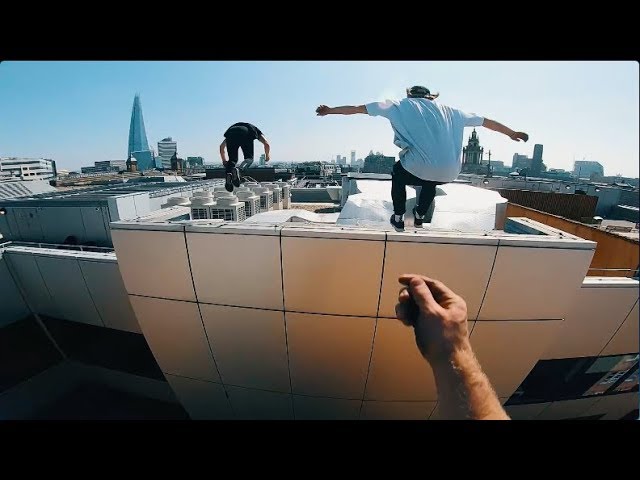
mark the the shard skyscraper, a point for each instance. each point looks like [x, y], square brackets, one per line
[138, 144]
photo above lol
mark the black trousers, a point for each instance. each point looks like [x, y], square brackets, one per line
[239, 138]
[400, 178]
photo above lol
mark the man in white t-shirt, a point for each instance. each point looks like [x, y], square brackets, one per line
[430, 138]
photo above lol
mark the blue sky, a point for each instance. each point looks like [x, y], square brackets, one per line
[79, 112]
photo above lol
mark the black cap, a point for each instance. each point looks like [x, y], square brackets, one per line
[418, 91]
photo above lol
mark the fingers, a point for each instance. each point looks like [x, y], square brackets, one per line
[422, 296]
[403, 296]
[438, 290]
[403, 314]
[405, 308]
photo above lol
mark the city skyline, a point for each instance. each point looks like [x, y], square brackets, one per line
[77, 113]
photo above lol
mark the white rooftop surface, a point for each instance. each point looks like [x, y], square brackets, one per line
[455, 207]
[292, 215]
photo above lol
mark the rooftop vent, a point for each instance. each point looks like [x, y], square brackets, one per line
[277, 195]
[251, 201]
[228, 208]
[266, 198]
[200, 207]
[202, 193]
[286, 194]
[182, 201]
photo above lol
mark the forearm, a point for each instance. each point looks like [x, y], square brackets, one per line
[267, 149]
[347, 110]
[497, 127]
[464, 391]
[222, 154]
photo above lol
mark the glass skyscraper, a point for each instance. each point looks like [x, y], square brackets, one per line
[138, 144]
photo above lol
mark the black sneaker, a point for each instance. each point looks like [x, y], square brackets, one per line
[235, 177]
[227, 183]
[417, 222]
[399, 226]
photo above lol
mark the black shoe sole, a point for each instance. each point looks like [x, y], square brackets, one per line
[235, 177]
[398, 229]
[227, 183]
[417, 222]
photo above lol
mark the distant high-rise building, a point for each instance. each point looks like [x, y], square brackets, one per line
[520, 161]
[138, 144]
[342, 160]
[337, 159]
[587, 168]
[263, 160]
[536, 161]
[353, 157]
[166, 149]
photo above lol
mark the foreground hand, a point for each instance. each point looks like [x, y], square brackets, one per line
[322, 110]
[437, 314]
[517, 136]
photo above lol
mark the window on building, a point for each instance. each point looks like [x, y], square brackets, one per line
[573, 378]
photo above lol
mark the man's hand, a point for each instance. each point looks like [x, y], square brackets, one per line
[438, 315]
[517, 136]
[224, 162]
[323, 110]
[267, 157]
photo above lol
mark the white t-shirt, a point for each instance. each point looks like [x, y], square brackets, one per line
[429, 134]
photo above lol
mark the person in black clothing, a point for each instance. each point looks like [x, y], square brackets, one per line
[240, 135]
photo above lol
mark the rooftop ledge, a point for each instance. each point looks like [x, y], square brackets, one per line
[518, 232]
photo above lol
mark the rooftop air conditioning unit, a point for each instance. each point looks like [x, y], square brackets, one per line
[200, 207]
[277, 195]
[251, 201]
[286, 194]
[266, 198]
[182, 201]
[202, 193]
[228, 208]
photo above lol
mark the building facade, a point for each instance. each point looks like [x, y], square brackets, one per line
[472, 155]
[378, 163]
[587, 168]
[15, 168]
[167, 147]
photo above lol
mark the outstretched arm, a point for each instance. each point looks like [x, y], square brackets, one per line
[222, 154]
[323, 110]
[498, 127]
[439, 319]
[267, 147]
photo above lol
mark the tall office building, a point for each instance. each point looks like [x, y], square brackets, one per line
[536, 161]
[353, 157]
[263, 160]
[138, 145]
[167, 147]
